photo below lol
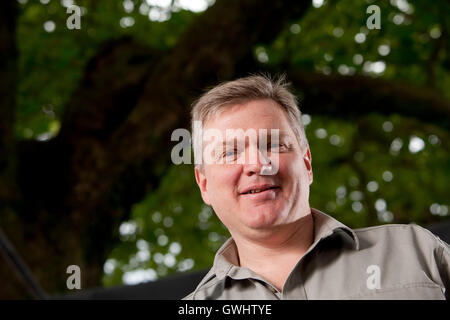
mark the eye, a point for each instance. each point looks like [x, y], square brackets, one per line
[229, 153]
[278, 147]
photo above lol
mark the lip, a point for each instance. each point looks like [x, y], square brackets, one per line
[269, 187]
[263, 196]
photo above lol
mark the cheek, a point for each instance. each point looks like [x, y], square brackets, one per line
[290, 168]
[294, 175]
[223, 178]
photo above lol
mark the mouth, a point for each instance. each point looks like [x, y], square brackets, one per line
[259, 189]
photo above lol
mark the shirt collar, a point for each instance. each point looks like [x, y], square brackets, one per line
[325, 225]
[227, 258]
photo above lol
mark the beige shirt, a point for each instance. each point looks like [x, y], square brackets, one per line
[382, 262]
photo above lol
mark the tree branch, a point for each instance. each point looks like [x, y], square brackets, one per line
[347, 96]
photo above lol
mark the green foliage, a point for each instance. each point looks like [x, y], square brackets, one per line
[51, 63]
[324, 41]
[174, 231]
[358, 168]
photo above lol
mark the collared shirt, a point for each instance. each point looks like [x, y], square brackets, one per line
[384, 262]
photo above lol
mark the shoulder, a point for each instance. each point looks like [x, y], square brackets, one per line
[209, 280]
[397, 230]
[211, 286]
[190, 296]
[401, 234]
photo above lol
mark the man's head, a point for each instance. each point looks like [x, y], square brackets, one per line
[246, 200]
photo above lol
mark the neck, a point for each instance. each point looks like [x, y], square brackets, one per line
[284, 245]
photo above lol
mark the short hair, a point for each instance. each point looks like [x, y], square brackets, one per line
[243, 90]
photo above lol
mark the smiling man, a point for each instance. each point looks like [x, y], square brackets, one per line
[280, 248]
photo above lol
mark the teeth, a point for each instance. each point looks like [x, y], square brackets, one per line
[259, 190]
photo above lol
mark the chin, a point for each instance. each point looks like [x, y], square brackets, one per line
[260, 218]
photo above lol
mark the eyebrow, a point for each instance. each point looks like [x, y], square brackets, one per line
[282, 134]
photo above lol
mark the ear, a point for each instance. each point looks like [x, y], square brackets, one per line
[307, 159]
[200, 177]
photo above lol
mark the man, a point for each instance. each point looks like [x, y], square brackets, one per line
[280, 248]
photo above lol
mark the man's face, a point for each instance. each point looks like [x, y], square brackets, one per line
[275, 199]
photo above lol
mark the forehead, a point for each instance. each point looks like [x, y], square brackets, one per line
[256, 114]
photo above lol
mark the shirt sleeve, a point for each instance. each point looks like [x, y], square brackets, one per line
[443, 254]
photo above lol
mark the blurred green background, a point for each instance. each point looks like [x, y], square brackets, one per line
[87, 115]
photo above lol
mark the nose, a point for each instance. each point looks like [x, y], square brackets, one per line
[257, 162]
